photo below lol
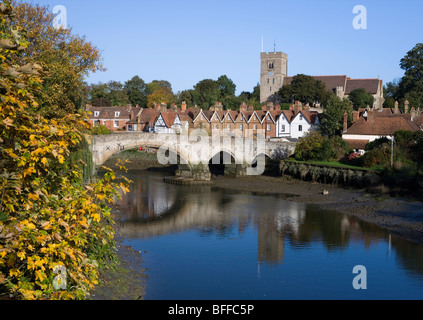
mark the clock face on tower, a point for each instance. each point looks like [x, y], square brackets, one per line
[270, 74]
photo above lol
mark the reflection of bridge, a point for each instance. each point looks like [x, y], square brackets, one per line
[193, 152]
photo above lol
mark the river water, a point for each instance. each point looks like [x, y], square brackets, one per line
[206, 243]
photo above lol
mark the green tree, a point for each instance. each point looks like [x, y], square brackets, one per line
[226, 86]
[360, 98]
[118, 95]
[303, 88]
[99, 95]
[137, 91]
[411, 85]
[208, 91]
[333, 116]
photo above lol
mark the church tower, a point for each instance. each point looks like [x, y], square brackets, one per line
[274, 69]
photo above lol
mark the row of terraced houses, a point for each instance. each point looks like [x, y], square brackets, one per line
[276, 123]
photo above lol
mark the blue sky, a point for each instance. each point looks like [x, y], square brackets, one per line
[186, 41]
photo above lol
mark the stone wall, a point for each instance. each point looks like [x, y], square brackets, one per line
[330, 175]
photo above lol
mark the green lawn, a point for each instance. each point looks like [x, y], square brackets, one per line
[333, 164]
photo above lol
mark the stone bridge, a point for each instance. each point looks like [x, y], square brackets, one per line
[193, 152]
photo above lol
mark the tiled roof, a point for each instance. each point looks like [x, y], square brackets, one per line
[110, 113]
[370, 85]
[169, 117]
[382, 126]
[331, 82]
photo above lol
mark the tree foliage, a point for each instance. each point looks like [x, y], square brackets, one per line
[137, 91]
[316, 147]
[48, 218]
[361, 99]
[66, 58]
[333, 116]
[303, 88]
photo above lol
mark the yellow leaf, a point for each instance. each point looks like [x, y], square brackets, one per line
[33, 197]
[14, 272]
[44, 161]
[61, 159]
[21, 255]
[29, 171]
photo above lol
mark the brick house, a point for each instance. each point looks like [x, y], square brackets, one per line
[114, 118]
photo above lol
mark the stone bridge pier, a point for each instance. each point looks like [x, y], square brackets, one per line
[194, 152]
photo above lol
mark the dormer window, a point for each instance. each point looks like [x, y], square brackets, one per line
[117, 114]
[96, 113]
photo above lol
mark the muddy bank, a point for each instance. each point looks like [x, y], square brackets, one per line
[403, 217]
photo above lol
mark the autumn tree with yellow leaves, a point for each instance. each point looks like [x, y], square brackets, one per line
[53, 228]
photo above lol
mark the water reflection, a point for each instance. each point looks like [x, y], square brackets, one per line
[154, 209]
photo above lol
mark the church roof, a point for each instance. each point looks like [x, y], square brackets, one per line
[330, 82]
[370, 85]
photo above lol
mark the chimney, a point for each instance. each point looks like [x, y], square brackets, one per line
[356, 116]
[278, 107]
[163, 107]
[406, 106]
[250, 108]
[396, 111]
[183, 106]
[413, 113]
[243, 107]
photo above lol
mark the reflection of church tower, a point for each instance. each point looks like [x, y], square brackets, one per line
[274, 68]
[271, 244]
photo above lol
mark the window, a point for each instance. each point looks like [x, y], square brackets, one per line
[283, 129]
[104, 122]
[268, 80]
[96, 113]
[273, 81]
[270, 65]
[201, 117]
[301, 118]
[255, 127]
[268, 127]
[229, 127]
[116, 124]
[130, 127]
[270, 88]
[216, 126]
[117, 114]
[300, 128]
[241, 127]
[97, 122]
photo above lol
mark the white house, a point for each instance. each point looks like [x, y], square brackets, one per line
[303, 122]
[168, 122]
[283, 125]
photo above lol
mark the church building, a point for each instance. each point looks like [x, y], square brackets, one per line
[274, 75]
